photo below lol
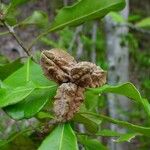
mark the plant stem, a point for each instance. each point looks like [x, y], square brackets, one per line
[4, 33]
[12, 32]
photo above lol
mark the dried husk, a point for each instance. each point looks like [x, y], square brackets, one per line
[72, 78]
[87, 74]
[68, 98]
[56, 65]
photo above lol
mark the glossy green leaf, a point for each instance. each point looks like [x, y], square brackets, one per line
[136, 128]
[29, 72]
[38, 96]
[107, 132]
[32, 104]
[117, 17]
[134, 17]
[122, 137]
[9, 68]
[49, 42]
[126, 137]
[13, 96]
[145, 23]
[61, 138]
[91, 100]
[126, 89]
[91, 123]
[91, 144]
[38, 18]
[85, 10]
[44, 115]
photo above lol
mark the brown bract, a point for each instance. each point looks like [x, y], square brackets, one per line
[72, 77]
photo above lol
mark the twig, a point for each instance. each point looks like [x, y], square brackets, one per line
[4, 33]
[12, 32]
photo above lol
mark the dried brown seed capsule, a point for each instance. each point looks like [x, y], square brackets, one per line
[68, 98]
[73, 78]
[56, 65]
[86, 74]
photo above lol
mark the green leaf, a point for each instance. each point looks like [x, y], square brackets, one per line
[15, 3]
[49, 42]
[32, 104]
[145, 23]
[85, 10]
[126, 89]
[10, 14]
[91, 100]
[44, 115]
[9, 96]
[29, 72]
[3, 142]
[91, 123]
[117, 17]
[123, 137]
[12, 137]
[61, 138]
[136, 128]
[107, 132]
[9, 68]
[134, 17]
[126, 137]
[38, 18]
[38, 96]
[3, 60]
[90, 144]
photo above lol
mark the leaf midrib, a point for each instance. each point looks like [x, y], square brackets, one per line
[61, 138]
[28, 70]
[52, 29]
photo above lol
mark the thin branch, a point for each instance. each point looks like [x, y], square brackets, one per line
[4, 33]
[12, 32]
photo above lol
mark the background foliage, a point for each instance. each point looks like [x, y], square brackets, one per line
[26, 93]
